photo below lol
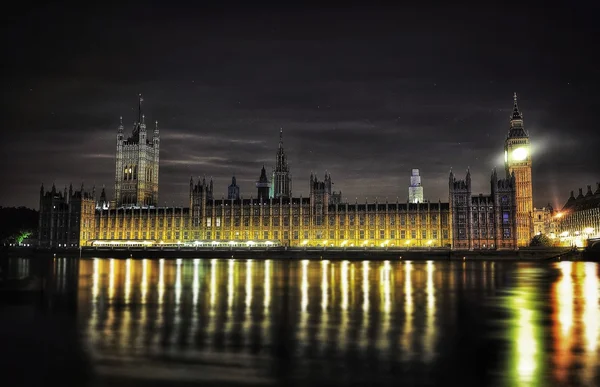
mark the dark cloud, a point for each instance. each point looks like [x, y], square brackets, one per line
[365, 94]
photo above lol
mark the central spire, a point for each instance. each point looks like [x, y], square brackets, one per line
[516, 113]
[280, 137]
[140, 100]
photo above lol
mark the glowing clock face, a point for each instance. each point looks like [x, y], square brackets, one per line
[506, 156]
[519, 154]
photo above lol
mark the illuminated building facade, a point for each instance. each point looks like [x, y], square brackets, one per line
[137, 161]
[415, 190]
[275, 217]
[579, 218]
[321, 219]
[544, 221]
[517, 159]
[483, 221]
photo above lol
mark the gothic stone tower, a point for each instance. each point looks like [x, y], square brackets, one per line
[460, 200]
[517, 160]
[263, 185]
[282, 180]
[136, 171]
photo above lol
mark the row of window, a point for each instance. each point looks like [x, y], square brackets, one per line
[217, 235]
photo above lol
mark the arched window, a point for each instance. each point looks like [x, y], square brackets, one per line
[135, 172]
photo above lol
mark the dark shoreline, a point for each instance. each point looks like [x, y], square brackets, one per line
[529, 254]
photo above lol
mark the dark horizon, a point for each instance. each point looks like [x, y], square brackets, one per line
[366, 94]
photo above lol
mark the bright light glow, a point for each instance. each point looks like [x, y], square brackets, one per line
[588, 230]
[519, 154]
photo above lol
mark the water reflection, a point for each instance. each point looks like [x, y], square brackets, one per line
[541, 321]
[576, 303]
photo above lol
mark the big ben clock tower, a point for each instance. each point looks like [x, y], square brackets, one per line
[517, 159]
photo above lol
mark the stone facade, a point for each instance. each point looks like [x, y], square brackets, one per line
[483, 221]
[66, 218]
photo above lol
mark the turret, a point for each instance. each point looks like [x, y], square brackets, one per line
[233, 191]
[143, 133]
[262, 185]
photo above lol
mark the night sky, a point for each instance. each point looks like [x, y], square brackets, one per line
[364, 93]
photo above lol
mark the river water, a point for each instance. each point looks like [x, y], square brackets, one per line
[270, 322]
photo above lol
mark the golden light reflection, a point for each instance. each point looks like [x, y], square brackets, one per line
[324, 284]
[248, 313]
[125, 329]
[267, 302]
[127, 281]
[408, 310]
[161, 280]
[565, 297]
[196, 284]
[591, 313]
[111, 280]
[591, 320]
[344, 284]
[213, 282]
[365, 287]
[304, 289]
[230, 287]
[429, 337]
[248, 285]
[344, 305]
[324, 323]
[303, 327]
[526, 340]
[562, 295]
[95, 280]
[195, 296]
[144, 283]
[178, 286]
[364, 340]
[385, 287]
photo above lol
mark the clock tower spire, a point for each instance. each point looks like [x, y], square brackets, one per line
[517, 160]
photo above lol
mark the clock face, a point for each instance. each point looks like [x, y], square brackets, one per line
[519, 154]
[506, 156]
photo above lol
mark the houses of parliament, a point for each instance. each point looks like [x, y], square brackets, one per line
[271, 214]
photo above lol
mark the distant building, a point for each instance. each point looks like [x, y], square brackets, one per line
[233, 191]
[137, 161]
[579, 219]
[544, 221]
[415, 191]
